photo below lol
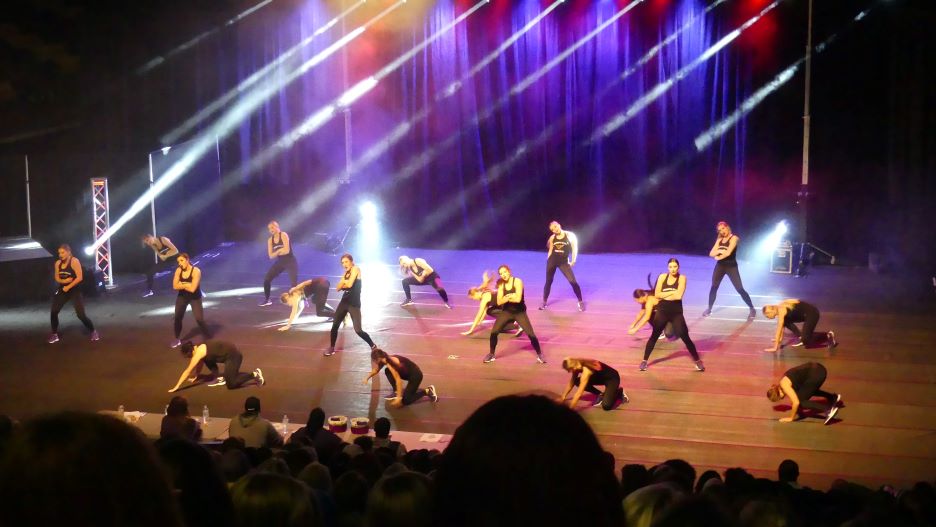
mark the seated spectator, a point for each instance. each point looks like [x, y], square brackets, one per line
[313, 434]
[642, 506]
[264, 500]
[197, 481]
[75, 468]
[703, 479]
[788, 472]
[382, 438]
[633, 477]
[254, 430]
[297, 457]
[525, 460]
[696, 511]
[350, 495]
[402, 500]
[177, 423]
[317, 477]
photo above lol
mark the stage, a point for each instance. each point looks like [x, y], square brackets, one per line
[884, 365]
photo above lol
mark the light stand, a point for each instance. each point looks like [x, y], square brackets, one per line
[806, 249]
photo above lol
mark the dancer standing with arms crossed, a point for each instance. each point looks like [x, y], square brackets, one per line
[68, 275]
[670, 288]
[562, 253]
[510, 298]
[279, 247]
[187, 281]
[726, 263]
[350, 303]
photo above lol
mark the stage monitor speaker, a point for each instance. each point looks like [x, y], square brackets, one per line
[782, 259]
[26, 269]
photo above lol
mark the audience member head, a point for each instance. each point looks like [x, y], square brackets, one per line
[316, 420]
[234, 465]
[317, 477]
[382, 428]
[694, 511]
[197, 481]
[633, 477]
[402, 500]
[274, 465]
[643, 505]
[297, 457]
[788, 471]
[703, 479]
[252, 405]
[350, 492]
[522, 457]
[76, 468]
[685, 470]
[765, 513]
[178, 407]
[264, 499]
[365, 442]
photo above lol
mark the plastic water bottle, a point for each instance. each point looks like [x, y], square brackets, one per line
[166, 410]
[285, 424]
[120, 412]
[204, 415]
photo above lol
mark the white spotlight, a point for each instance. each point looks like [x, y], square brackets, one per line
[772, 240]
[368, 211]
[89, 250]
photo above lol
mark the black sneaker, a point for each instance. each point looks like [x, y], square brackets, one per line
[265, 303]
[699, 366]
[598, 400]
[643, 365]
[390, 397]
[623, 396]
[581, 306]
[489, 358]
[752, 314]
[542, 306]
[834, 410]
[407, 302]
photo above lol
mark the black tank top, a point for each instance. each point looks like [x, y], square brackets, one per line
[810, 374]
[670, 306]
[163, 249]
[514, 307]
[65, 270]
[277, 242]
[188, 280]
[352, 295]
[316, 287]
[602, 376]
[218, 351]
[416, 269]
[731, 258]
[799, 311]
[492, 308]
[407, 368]
[561, 247]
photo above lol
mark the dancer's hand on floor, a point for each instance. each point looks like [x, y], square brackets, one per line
[466, 333]
[631, 331]
[283, 328]
[786, 419]
[772, 350]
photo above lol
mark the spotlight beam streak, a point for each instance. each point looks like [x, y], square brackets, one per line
[228, 123]
[220, 102]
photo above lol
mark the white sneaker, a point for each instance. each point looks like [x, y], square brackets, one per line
[834, 410]
[581, 306]
[175, 343]
[258, 374]
[390, 397]
[433, 395]
[407, 302]
[447, 305]
[148, 294]
[95, 336]
[265, 303]
[53, 338]
[219, 381]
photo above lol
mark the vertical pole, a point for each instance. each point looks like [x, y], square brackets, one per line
[802, 197]
[28, 208]
[346, 178]
[152, 204]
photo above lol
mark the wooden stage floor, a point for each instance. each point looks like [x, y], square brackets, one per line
[885, 365]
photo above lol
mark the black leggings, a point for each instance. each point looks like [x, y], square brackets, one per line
[811, 387]
[433, 279]
[609, 397]
[197, 311]
[722, 269]
[61, 298]
[321, 308]
[506, 317]
[551, 266]
[283, 263]
[660, 319]
[345, 308]
[810, 337]
[157, 267]
[411, 393]
[233, 377]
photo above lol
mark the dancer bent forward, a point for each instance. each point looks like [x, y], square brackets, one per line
[209, 355]
[400, 369]
[187, 281]
[648, 303]
[562, 253]
[791, 311]
[510, 298]
[486, 305]
[165, 258]
[315, 289]
[800, 384]
[418, 272]
[279, 247]
[586, 374]
[68, 275]
[350, 303]
[726, 263]
[670, 288]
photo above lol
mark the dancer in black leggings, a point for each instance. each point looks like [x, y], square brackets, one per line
[315, 290]
[562, 251]
[791, 311]
[400, 369]
[279, 248]
[68, 276]
[588, 373]
[726, 263]
[486, 305]
[510, 299]
[648, 303]
[187, 281]
[165, 258]
[350, 303]
[419, 272]
[670, 288]
[800, 384]
[209, 355]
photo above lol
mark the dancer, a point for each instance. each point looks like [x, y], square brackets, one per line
[510, 298]
[562, 253]
[800, 384]
[297, 298]
[791, 311]
[209, 354]
[350, 303]
[724, 251]
[586, 374]
[280, 248]
[419, 272]
[648, 303]
[165, 258]
[68, 276]
[486, 305]
[187, 281]
[670, 288]
[400, 369]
